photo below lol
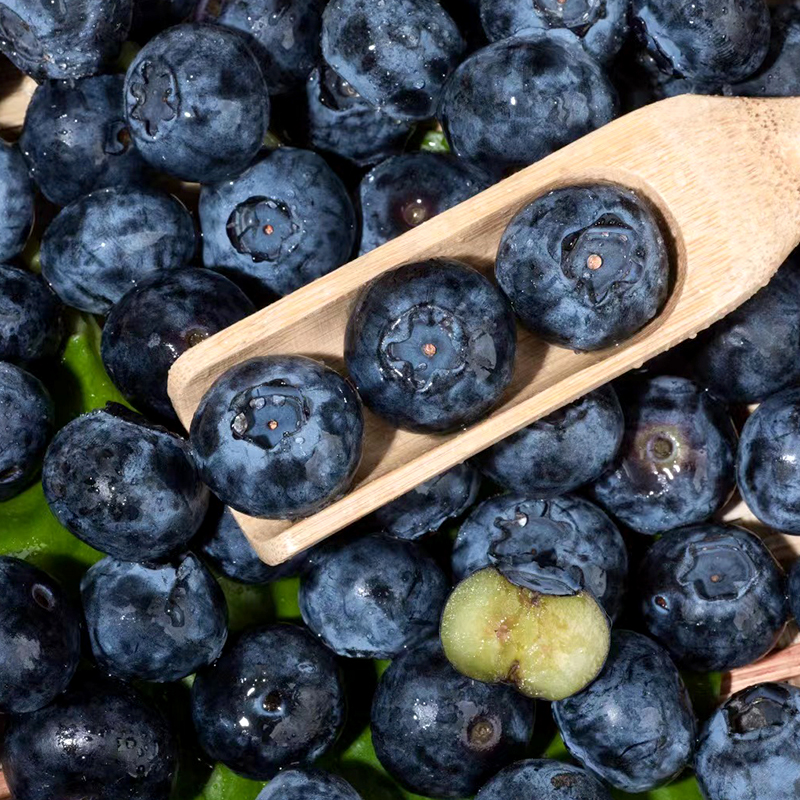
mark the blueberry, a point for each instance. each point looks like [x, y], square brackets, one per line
[308, 784]
[196, 102]
[159, 320]
[16, 201]
[440, 734]
[153, 16]
[285, 222]
[600, 25]
[543, 779]
[26, 425]
[154, 622]
[585, 267]
[405, 191]
[372, 597]
[431, 345]
[711, 40]
[767, 469]
[31, 319]
[713, 595]
[274, 699]
[676, 463]
[40, 637]
[64, 38]
[396, 55]
[104, 243]
[100, 739]
[123, 486]
[565, 532]
[426, 508]
[748, 749]
[634, 726]
[560, 452]
[279, 436]
[75, 138]
[496, 108]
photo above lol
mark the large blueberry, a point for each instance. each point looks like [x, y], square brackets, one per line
[40, 637]
[154, 622]
[279, 436]
[285, 222]
[396, 55]
[16, 201]
[197, 103]
[431, 345]
[123, 486]
[100, 739]
[308, 784]
[543, 779]
[274, 699]
[676, 463]
[103, 244]
[159, 320]
[153, 16]
[634, 726]
[372, 597]
[440, 734]
[560, 452]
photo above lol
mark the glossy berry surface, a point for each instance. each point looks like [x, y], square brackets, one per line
[713, 595]
[285, 222]
[153, 622]
[16, 202]
[278, 436]
[103, 244]
[40, 637]
[274, 699]
[395, 55]
[634, 726]
[373, 597]
[187, 114]
[159, 320]
[431, 345]
[585, 267]
[308, 784]
[124, 486]
[543, 779]
[440, 734]
[676, 463]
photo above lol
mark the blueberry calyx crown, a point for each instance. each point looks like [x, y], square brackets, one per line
[760, 709]
[156, 95]
[118, 138]
[717, 569]
[265, 415]
[263, 228]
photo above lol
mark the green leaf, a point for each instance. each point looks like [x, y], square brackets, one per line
[434, 142]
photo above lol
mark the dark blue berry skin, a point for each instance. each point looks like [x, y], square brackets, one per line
[767, 470]
[40, 638]
[197, 103]
[676, 463]
[543, 779]
[153, 16]
[537, 71]
[634, 726]
[565, 532]
[158, 321]
[600, 25]
[154, 622]
[431, 346]
[308, 784]
[561, 452]
[65, 39]
[295, 195]
[585, 267]
[397, 55]
[127, 488]
[286, 470]
[748, 749]
[100, 739]
[372, 597]
[103, 244]
[440, 734]
[16, 202]
[31, 319]
[713, 595]
[793, 586]
[426, 508]
[405, 191]
[26, 425]
[710, 40]
[274, 699]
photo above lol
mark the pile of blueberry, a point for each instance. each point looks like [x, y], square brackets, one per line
[583, 562]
